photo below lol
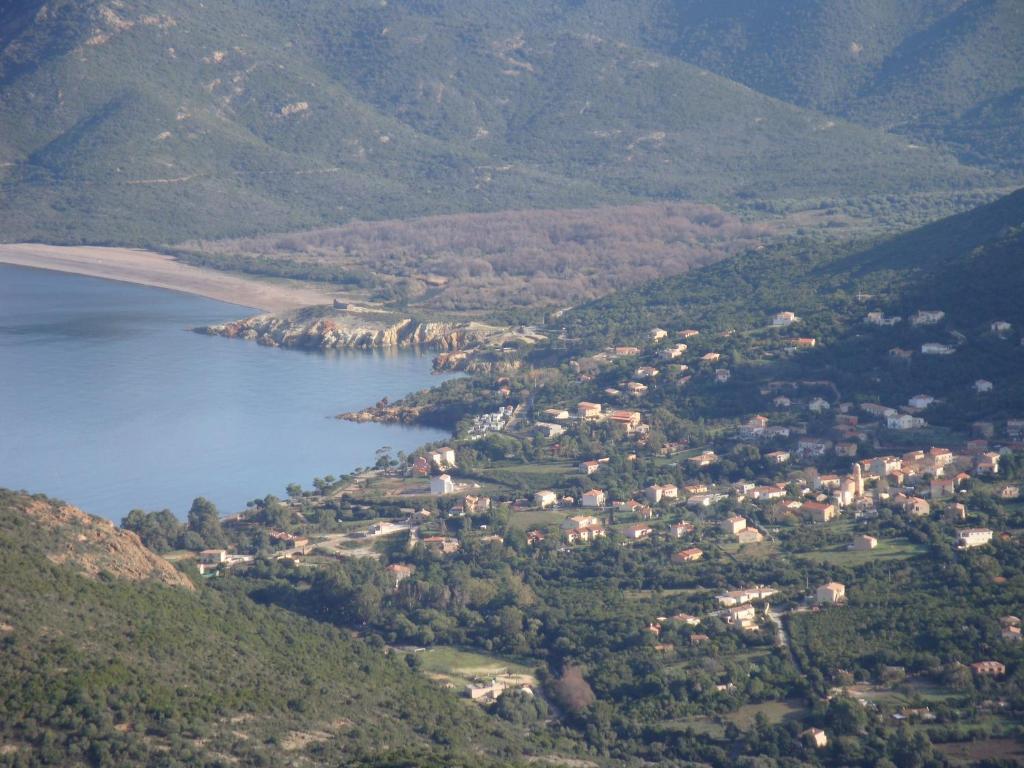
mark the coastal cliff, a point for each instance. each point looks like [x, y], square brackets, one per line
[343, 333]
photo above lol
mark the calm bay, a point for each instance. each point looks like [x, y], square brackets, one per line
[108, 402]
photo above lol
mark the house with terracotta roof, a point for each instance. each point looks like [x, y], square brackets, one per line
[818, 512]
[690, 555]
[628, 420]
[704, 459]
[636, 389]
[399, 572]
[830, 594]
[637, 531]
[987, 463]
[441, 545]
[582, 528]
[988, 668]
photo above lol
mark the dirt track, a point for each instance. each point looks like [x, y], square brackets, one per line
[161, 271]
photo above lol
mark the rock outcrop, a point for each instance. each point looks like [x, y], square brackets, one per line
[91, 545]
[342, 333]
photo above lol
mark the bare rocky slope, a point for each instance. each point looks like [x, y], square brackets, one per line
[311, 330]
[91, 545]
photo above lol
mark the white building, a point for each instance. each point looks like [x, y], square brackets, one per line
[441, 485]
[544, 499]
[934, 348]
[550, 430]
[904, 421]
[973, 537]
[879, 318]
[862, 542]
[783, 319]
[734, 524]
[928, 317]
[982, 385]
[920, 401]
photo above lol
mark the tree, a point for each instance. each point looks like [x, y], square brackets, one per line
[572, 691]
[845, 716]
[159, 531]
[204, 521]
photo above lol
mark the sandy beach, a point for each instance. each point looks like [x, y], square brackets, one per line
[159, 270]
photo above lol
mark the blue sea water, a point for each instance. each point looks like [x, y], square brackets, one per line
[108, 402]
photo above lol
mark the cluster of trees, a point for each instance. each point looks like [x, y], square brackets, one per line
[510, 258]
[161, 531]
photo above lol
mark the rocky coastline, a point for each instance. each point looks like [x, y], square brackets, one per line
[326, 333]
[385, 413]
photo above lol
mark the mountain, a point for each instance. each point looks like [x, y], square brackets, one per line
[112, 657]
[921, 68]
[164, 120]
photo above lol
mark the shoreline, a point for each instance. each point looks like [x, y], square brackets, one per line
[157, 270]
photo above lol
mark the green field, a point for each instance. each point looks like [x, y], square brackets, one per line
[887, 549]
[529, 477]
[971, 752]
[463, 667]
[743, 718]
[537, 518]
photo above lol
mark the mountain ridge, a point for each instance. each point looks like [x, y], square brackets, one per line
[169, 120]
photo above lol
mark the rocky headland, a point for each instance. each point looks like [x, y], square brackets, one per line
[342, 332]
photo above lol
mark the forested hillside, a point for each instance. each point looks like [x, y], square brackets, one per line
[970, 267]
[171, 119]
[929, 69]
[99, 669]
[947, 259]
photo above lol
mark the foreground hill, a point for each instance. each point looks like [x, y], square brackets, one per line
[111, 657]
[172, 119]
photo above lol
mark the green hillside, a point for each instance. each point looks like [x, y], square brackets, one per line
[926, 68]
[171, 119]
[101, 670]
[820, 277]
[970, 266]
